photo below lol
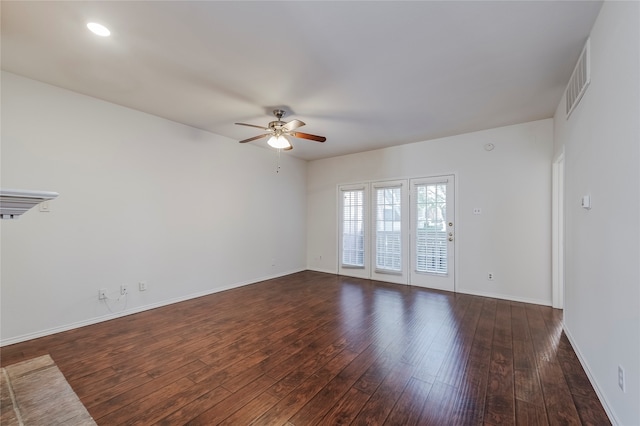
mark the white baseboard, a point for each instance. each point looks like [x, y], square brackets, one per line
[96, 320]
[470, 292]
[505, 297]
[585, 366]
[326, 271]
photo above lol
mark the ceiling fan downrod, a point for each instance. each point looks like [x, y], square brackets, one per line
[279, 113]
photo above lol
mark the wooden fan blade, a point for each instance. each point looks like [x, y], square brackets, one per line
[308, 136]
[293, 124]
[255, 138]
[252, 125]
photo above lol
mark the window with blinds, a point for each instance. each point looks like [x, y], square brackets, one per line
[388, 229]
[353, 228]
[431, 228]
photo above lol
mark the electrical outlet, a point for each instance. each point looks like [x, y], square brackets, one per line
[490, 276]
[142, 286]
[124, 289]
[621, 378]
[102, 293]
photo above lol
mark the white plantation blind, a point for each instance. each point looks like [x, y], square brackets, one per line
[353, 228]
[431, 228]
[388, 227]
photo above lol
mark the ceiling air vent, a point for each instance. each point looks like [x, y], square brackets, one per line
[579, 80]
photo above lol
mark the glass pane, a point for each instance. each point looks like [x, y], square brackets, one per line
[353, 228]
[388, 229]
[431, 230]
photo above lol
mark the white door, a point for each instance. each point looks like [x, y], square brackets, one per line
[433, 233]
[353, 234]
[389, 232]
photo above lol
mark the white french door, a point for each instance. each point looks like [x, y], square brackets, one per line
[353, 201]
[433, 232]
[399, 231]
[389, 236]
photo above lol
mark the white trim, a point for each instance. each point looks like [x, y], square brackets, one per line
[67, 327]
[585, 366]
[324, 271]
[456, 216]
[557, 233]
[504, 297]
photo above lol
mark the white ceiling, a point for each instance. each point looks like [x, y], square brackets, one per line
[364, 74]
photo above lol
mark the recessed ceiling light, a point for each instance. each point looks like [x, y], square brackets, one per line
[99, 29]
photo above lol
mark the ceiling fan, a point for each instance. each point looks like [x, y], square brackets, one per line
[279, 129]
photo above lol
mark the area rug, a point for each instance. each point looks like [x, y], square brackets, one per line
[35, 392]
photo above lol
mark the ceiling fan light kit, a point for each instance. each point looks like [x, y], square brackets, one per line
[278, 130]
[279, 142]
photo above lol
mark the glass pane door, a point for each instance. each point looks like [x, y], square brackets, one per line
[433, 235]
[353, 232]
[390, 227]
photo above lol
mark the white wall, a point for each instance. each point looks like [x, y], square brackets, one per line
[511, 184]
[141, 199]
[602, 280]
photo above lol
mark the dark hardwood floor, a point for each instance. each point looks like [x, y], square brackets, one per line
[314, 348]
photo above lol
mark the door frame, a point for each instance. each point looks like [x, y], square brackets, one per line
[401, 277]
[358, 272]
[452, 215]
[557, 233]
[366, 272]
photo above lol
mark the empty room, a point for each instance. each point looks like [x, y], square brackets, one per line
[301, 213]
